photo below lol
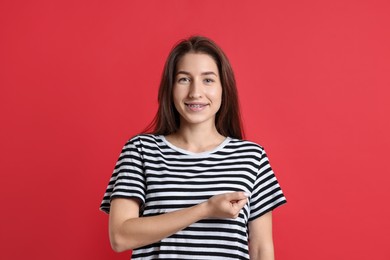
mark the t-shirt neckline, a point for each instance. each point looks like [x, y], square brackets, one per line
[181, 150]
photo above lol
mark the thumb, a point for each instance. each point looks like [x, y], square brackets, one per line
[238, 195]
[237, 205]
[241, 203]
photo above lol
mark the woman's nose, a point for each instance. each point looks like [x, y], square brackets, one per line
[195, 89]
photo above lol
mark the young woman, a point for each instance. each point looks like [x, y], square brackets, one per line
[193, 189]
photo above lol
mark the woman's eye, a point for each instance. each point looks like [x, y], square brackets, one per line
[183, 80]
[209, 80]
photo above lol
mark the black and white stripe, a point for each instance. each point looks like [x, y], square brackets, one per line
[166, 178]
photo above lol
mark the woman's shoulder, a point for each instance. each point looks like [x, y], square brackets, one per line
[140, 142]
[246, 144]
[144, 138]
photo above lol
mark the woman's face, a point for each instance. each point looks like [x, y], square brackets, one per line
[197, 89]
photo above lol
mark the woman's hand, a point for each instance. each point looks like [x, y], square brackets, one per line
[226, 205]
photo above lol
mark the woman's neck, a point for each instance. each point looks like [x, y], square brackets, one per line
[196, 139]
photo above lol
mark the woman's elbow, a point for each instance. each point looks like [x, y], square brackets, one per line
[116, 245]
[119, 244]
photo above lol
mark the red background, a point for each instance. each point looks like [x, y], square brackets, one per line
[78, 78]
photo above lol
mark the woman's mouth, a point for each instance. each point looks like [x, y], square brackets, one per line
[195, 107]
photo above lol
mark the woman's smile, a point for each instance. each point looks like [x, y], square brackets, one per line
[195, 107]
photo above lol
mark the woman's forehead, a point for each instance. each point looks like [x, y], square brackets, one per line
[197, 63]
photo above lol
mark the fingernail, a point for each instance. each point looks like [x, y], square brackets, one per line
[247, 194]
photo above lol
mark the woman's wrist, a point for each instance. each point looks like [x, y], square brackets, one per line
[203, 210]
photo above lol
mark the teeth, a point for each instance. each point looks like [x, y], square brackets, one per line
[195, 106]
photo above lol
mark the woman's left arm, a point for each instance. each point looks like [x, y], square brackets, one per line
[261, 245]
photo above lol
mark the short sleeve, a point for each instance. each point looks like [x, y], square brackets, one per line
[128, 179]
[267, 194]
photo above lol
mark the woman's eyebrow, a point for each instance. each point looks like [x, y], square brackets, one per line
[183, 72]
[203, 73]
[209, 73]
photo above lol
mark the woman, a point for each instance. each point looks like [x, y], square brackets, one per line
[193, 189]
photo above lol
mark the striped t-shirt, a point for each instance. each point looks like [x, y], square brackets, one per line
[166, 178]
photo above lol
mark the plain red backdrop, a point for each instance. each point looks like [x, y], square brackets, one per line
[78, 78]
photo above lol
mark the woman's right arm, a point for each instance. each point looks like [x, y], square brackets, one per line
[128, 230]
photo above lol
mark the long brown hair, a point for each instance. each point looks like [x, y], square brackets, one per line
[227, 120]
